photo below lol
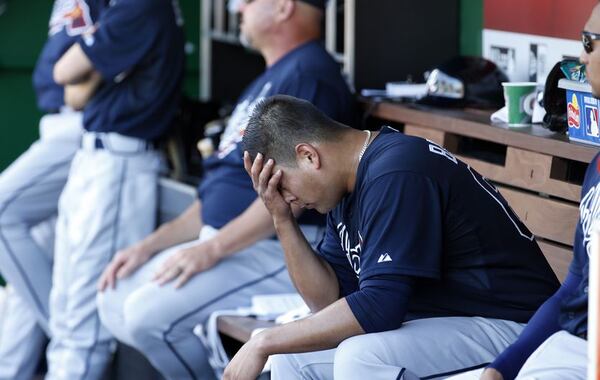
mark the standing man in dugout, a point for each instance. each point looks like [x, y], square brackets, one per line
[423, 267]
[133, 58]
[553, 346]
[29, 192]
[219, 252]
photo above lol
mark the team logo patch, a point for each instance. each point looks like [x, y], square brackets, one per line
[234, 132]
[71, 15]
[573, 112]
[591, 121]
[589, 211]
[352, 250]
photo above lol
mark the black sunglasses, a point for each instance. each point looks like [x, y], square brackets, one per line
[587, 39]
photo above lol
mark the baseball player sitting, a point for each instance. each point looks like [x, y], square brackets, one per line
[553, 345]
[29, 192]
[109, 201]
[219, 253]
[422, 269]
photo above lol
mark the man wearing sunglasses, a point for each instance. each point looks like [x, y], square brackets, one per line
[218, 253]
[553, 345]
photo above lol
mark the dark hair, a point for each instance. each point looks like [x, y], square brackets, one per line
[281, 122]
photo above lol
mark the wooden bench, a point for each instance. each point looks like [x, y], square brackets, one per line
[538, 172]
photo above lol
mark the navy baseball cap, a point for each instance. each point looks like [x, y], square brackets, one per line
[316, 3]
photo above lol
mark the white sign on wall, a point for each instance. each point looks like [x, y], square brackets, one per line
[527, 57]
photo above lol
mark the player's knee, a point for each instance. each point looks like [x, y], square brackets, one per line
[353, 357]
[11, 212]
[300, 366]
[349, 354]
[9, 216]
[108, 311]
[143, 320]
[283, 367]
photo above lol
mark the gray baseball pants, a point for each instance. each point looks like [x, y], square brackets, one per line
[29, 193]
[433, 348]
[109, 202]
[561, 356]
[159, 321]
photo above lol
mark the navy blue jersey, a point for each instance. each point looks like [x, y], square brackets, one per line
[138, 49]
[417, 211]
[574, 311]
[69, 19]
[308, 72]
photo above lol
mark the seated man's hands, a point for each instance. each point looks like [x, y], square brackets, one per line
[124, 263]
[188, 262]
[266, 183]
[248, 362]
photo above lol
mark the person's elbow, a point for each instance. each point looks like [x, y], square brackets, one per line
[60, 73]
[72, 67]
[382, 305]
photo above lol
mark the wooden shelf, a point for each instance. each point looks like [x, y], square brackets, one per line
[476, 124]
[241, 328]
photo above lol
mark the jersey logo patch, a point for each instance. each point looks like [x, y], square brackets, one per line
[71, 15]
[384, 258]
[589, 211]
[352, 252]
[234, 132]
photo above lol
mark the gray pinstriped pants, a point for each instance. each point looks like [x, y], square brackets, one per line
[29, 191]
[159, 321]
[108, 203]
[433, 348]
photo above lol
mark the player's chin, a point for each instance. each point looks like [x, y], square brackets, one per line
[321, 209]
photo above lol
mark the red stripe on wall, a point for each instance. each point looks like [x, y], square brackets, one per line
[553, 18]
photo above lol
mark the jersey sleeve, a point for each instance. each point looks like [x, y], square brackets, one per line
[401, 225]
[542, 325]
[579, 250]
[330, 249]
[125, 34]
[381, 303]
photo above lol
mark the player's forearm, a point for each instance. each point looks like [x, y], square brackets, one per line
[78, 95]
[72, 67]
[542, 325]
[323, 330]
[312, 276]
[254, 224]
[184, 228]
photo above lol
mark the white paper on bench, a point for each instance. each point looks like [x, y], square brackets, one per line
[266, 307]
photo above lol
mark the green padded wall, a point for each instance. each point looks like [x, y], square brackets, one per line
[471, 25]
[23, 30]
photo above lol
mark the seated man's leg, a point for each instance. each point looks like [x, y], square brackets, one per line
[109, 203]
[111, 302]
[160, 320]
[469, 375]
[29, 192]
[309, 366]
[562, 356]
[427, 348]
[23, 340]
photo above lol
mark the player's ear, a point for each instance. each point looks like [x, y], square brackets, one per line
[307, 156]
[285, 9]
